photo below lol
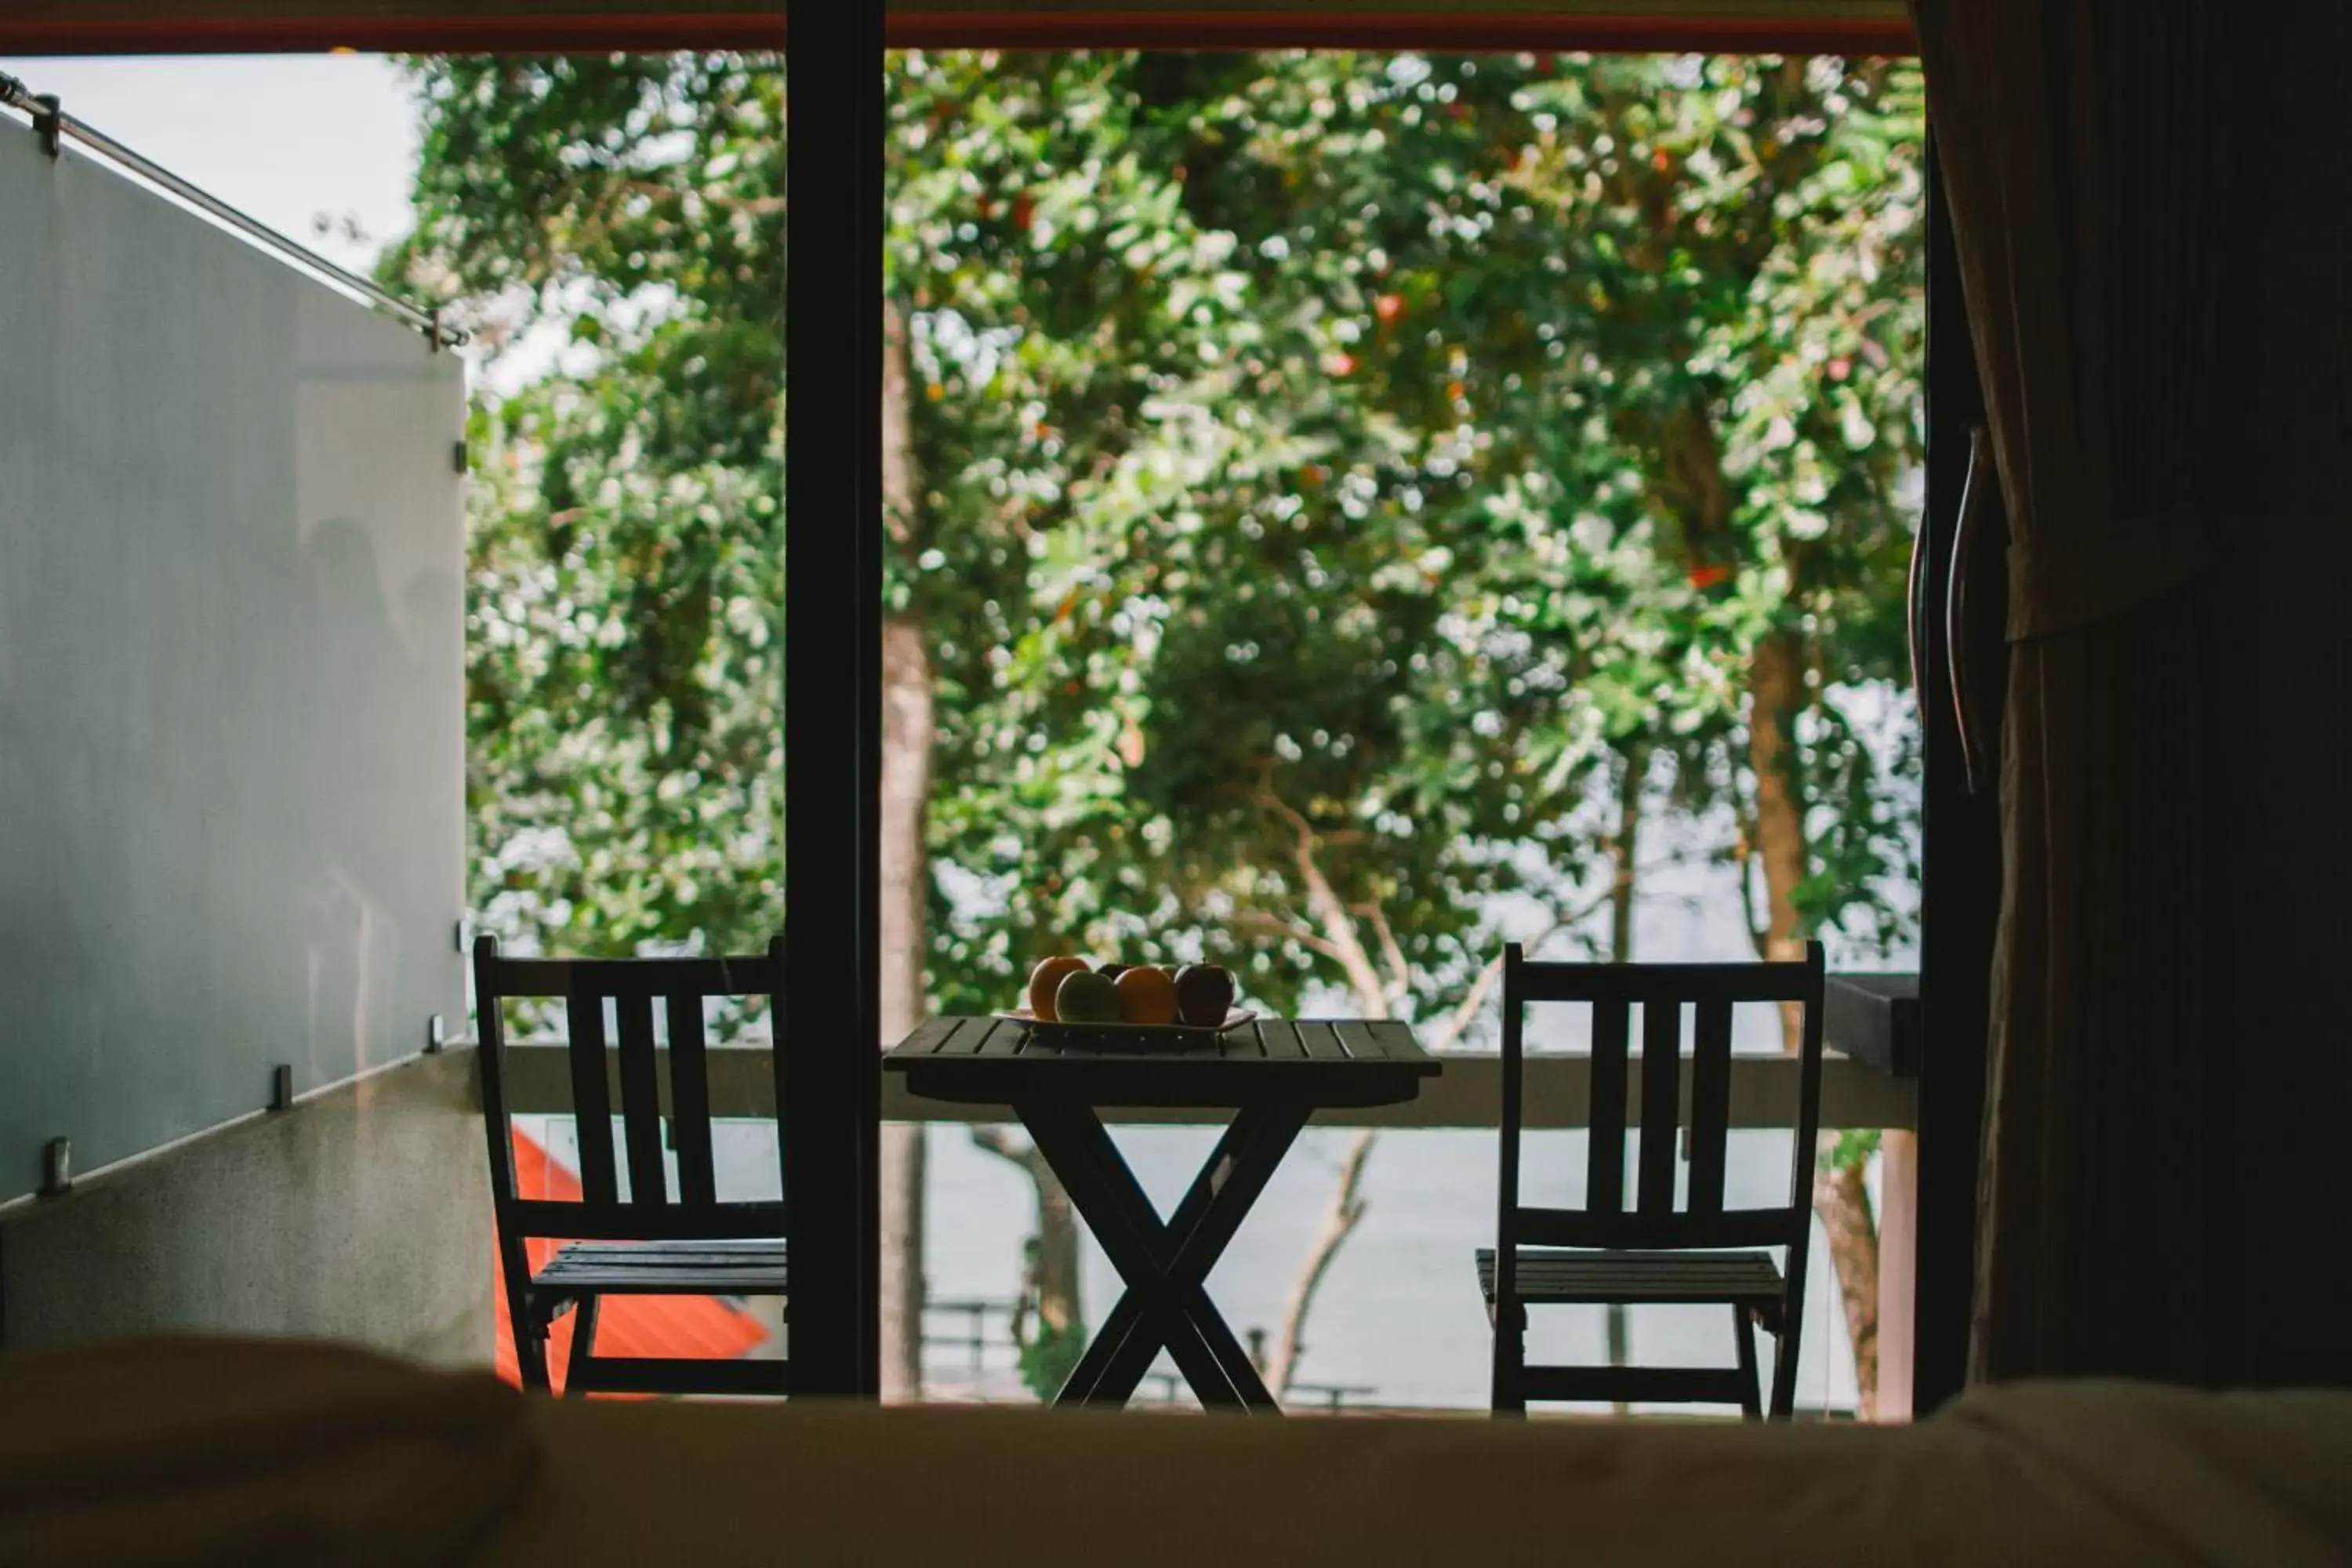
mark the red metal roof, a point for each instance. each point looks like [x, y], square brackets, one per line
[695, 1328]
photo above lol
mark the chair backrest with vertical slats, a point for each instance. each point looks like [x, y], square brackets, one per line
[647, 1209]
[1652, 1218]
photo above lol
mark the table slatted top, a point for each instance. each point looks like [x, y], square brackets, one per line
[1313, 1061]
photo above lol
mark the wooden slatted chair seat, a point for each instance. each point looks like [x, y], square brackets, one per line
[647, 1238]
[1670, 1240]
[661, 1268]
[1749, 1279]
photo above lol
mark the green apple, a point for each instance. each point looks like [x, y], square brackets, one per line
[1086, 997]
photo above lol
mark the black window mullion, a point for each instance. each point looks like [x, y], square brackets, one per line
[830, 1120]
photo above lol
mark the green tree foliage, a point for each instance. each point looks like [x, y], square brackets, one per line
[1326, 467]
[1322, 457]
[626, 528]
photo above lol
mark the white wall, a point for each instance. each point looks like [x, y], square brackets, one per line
[231, 673]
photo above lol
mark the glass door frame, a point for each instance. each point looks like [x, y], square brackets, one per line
[834, 534]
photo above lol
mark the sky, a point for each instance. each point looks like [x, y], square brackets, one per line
[285, 138]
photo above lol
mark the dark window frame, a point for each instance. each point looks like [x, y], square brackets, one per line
[833, 690]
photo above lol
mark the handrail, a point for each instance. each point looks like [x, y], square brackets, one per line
[55, 126]
[1466, 1094]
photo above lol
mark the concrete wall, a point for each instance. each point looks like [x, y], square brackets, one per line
[362, 1214]
[231, 674]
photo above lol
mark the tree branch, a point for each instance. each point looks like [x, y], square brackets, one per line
[1757, 934]
[1746, 855]
[1267, 921]
[1340, 1221]
[1339, 926]
[1474, 999]
[1400, 971]
[999, 1143]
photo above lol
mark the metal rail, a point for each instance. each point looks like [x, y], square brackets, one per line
[55, 127]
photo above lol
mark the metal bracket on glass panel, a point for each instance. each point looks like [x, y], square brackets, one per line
[50, 125]
[57, 1167]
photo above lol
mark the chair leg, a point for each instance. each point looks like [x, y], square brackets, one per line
[584, 1346]
[1743, 1333]
[1784, 1367]
[1510, 1397]
[530, 1354]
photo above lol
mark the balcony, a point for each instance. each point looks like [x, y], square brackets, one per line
[1395, 1323]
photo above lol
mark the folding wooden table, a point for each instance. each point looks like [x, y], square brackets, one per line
[1272, 1074]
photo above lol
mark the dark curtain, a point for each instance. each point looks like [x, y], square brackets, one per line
[2147, 199]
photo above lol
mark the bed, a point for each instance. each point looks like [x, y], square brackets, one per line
[175, 1451]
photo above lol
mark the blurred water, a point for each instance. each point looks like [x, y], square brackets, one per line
[1399, 1312]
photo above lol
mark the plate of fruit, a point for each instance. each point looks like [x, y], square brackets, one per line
[1140, 1005]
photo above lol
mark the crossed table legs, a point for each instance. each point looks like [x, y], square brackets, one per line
[1165, 1265]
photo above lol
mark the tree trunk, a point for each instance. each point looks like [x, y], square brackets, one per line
[1776, 689]
[1060, 1308]
[906, 735]
[1844, 1202]
[1775, 695]
[1050, 1275]
[1624, 851]
[908, 732]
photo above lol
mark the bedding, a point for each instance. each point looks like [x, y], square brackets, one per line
[264, 1451]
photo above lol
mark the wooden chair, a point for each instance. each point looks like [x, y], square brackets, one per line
[652, 1241]
[1654, 1251]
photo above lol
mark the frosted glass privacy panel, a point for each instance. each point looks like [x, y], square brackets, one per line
[231, 673]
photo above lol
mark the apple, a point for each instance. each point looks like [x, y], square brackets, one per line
[1204, 995]
[1086, 997]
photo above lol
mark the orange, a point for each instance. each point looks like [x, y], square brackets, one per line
[1047, 979]
[1147, 995]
